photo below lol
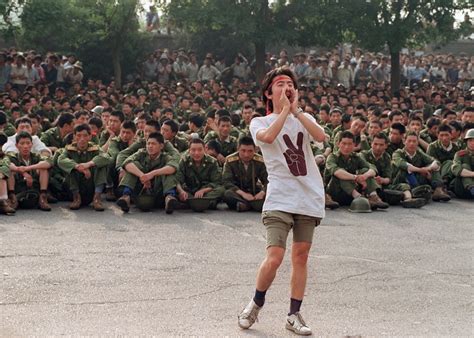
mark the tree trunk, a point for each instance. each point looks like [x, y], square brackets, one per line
[395, 71]
[117, 69]
[259, 61]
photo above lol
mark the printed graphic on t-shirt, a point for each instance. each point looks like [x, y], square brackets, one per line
[295, 156]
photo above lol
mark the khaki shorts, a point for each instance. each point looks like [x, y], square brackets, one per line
[279, 223]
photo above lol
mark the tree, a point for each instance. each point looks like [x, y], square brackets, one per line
[253, 21]
[98, 31]
[401, 23]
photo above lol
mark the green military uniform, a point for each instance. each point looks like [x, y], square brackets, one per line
[75, 180]
[116, 145]
[359, 141]
[392, 147]
[208, 175]
[464, 159]
[20, 183]
[9, 129]
[57, 179]
[161, 185]
[341, 190]
[251, 179]
[443, 156]
[400, 161]
[180, 143]
[103, 137]
[4, 166]
[52, 138]
[228, 146]
[427, 137]
[140, 144]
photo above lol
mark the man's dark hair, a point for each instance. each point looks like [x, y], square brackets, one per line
[82, 127]
[153, 123]
[411, 133]
[157, 136]
[381, 136]
[197, 119]
[224, 119]
[118, 114]
[246, 141]
[445, 128]
[45, 99]
[347, 134]
[78, 114]
[21, 135]
[22, 120]
[433, 121]
[64, 118]
[393, 114]
[214, 145]
[416, 118]
[96, 121]
[196, 141]
[400, 127]
[221, 113]
[3, 118]
[172, 124]
[129, 125]
[456, 125]
[267, 81]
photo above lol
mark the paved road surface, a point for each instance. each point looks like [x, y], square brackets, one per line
[400, 272]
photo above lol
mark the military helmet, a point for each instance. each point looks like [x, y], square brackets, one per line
[392, 197]
[257, 205]
[469, 134]
[422, 191]
[145, 201]
[28, 199]
[199, 204]
[360, 204]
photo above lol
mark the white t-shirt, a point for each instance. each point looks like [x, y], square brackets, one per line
[295, 184]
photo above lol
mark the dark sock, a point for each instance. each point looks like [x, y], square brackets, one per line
[43, 191]
[259, 297]
[295, 305]
[127, 191]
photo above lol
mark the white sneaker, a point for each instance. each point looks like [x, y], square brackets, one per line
[296, 323]
[249, 315]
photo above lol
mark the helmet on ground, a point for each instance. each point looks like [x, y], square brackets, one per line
[422, 191]
[145, 201]
[199, 204]
[360, 204]
[392, 197]
[28, 199]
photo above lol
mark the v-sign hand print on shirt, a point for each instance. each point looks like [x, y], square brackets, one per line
[295, 156]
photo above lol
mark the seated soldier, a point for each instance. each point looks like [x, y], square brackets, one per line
[6, 127]
[378, 157]
[199, 175]
[169, 130]
[228, 142]
[213, 148]
[5, 207]
[463, 169]
[86, 166]
[150, 169]
[112, 129]
[350, 175]
[357, 126]
[244, 177]
[413, 167]
[116, 145]
[195, 124]
[151, 126]
[29, 173]
[443, 150]
[54, 138]
[395, 137]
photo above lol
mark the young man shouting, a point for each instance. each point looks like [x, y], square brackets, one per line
[295, 192]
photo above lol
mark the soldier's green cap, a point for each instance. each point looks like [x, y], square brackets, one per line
[360, 204]
[469, 134]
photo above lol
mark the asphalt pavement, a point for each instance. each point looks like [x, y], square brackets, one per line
[400, 272]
